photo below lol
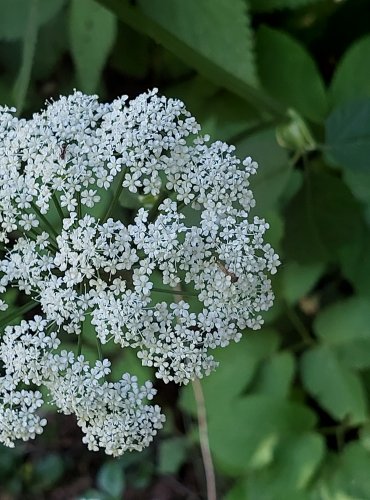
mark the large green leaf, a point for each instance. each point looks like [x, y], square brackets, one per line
[344, 321]
[111, 479]
[335, 386]
[295, 462]
[238, 363]
[275, 375]
[311, 234]
[245, 434]
[205, 27]
[13, 18]
[297, 280]
[351, 479]
[356, 265]
[284, 66]
[348, 135]
[346, 327]
[274, 168]
[352, 77]
[270, 5]
[92, 32]
[199, 33]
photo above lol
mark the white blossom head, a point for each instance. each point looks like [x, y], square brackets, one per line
[183, 272]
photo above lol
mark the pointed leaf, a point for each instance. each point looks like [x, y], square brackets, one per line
[356, 61]
[283, 66]
[92, 34]
[245, 434]
[336, 388]
[348, 135]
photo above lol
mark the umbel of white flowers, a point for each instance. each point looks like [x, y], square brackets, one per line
[63, 174]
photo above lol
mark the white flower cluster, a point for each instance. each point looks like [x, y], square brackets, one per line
[196, 246]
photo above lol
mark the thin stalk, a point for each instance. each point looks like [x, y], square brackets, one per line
[57, 206]
[115, 198]
[19, 311]
[174, 292]
[44, 219]
[79, 206]
[299, 326]
[204, 440]
[79, 341]
[153, 212]
[98, 345]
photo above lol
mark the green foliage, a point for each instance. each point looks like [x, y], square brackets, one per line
[352, 76]
[283, 66]
[271, 5]
[111, 479]
[336, 387]
[288, 407]
[92, 34]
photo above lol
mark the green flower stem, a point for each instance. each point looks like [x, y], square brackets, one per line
[174, 292]
[79, 206]
[100, 351]
[18, 311]
[44, 219]
[58, 207]
[153, 212]
[299, 326]
[79, 341]
[115, 198]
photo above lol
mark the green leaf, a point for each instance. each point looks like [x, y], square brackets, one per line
[172, 454]
[13, 19]
[274, 168]
[238, 363]
[296, 460]
[205, 27]
[284, 66]
[356, 265]
[356, 61]
[28, 50]
[111, 479]
[348, 135]
[92, 34]
[336, 388]
[51, 44]
[344, 321]
[346, 327]
[245, 434]
[199, 33]
[275, 375]
[311, 235]
[352, 479]
[297, 280]
[48, 471]
[271, 5]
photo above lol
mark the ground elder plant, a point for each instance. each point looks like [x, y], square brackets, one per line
[80, 264]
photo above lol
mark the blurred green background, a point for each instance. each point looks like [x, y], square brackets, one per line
[287, 82]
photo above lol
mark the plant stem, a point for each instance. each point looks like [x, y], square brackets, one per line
[44, 219]
[174, 292]
[79, 206]
[204, 440]
[18, 311]
[98, 345]
[299, 326]
[58, 207]
[79, 341]
[153, 212]
[115, 198]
